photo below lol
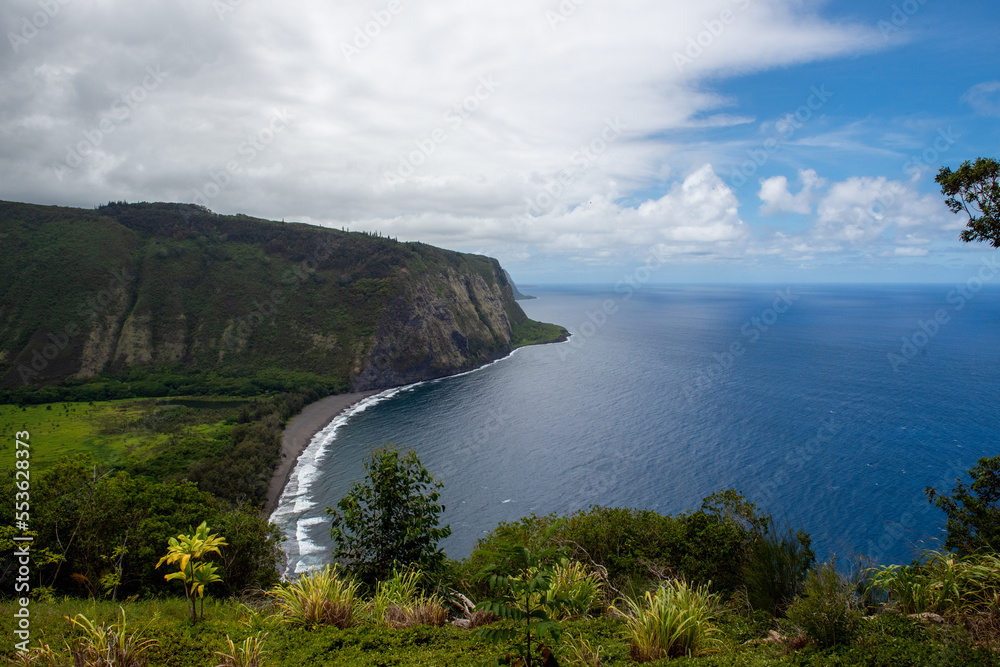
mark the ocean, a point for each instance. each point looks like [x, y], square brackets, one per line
[833, 407]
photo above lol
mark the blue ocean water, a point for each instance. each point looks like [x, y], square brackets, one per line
[833, 407]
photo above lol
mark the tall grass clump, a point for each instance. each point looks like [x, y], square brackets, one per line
[108, 645]
[576, 582]
[673, 621]
[37, 656]
[248, 654]
[580, 652]
[321, 597]
[827, 612]
[400, 589]
[398, 602]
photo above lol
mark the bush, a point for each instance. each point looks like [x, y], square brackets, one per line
[827, 611]
[318, 598]
[399, 604]
[674, 621]
[940, 583]
[390, 519]
[108, 645]
[636, 547]
[248, 654]
[973, 510]
[401, 589]
[777, 569]
[575, 582]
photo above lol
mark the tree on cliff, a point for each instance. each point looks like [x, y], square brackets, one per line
[975, 189]
[390, 519]
[973, 510]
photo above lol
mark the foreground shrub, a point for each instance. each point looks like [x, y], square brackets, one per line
[521, 580]
[104, 645]
[827, 611]
[575, 583]
[419, 611]
[674, 621]
[401, 589]
[632, 548]
[399, 604]
[248, 654]
[579, 651]
[37, 656]
[320, 597]
[777, 568]
[390, 518]
[940, 583]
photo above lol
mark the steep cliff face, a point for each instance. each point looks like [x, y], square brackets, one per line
[440, 324]
[176, 288]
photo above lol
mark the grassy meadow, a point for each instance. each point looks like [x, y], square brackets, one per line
[126, 433]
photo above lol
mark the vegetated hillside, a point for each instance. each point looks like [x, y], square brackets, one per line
[140, 290]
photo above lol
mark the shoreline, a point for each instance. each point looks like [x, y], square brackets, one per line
[299, 432]
[301, 428]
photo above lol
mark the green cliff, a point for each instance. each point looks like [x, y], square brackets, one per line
[174, 288]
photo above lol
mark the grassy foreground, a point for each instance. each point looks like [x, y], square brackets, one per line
[886, 640]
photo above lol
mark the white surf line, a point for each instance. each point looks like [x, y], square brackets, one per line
[295, 498]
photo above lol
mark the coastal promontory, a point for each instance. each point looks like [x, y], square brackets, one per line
[141, 291]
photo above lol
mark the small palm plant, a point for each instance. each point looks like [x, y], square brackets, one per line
[184, 550]
[523, 582]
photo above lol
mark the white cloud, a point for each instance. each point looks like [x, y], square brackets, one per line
[354, 119]
[984, 98]
[862, 210]
[778, 200]
[698, 215]
[908, 251]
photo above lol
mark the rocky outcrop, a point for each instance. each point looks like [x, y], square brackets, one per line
[439, 325]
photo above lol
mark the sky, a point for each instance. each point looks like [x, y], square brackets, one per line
[578, 141]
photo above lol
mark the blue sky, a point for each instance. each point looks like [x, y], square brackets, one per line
[729, 140]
